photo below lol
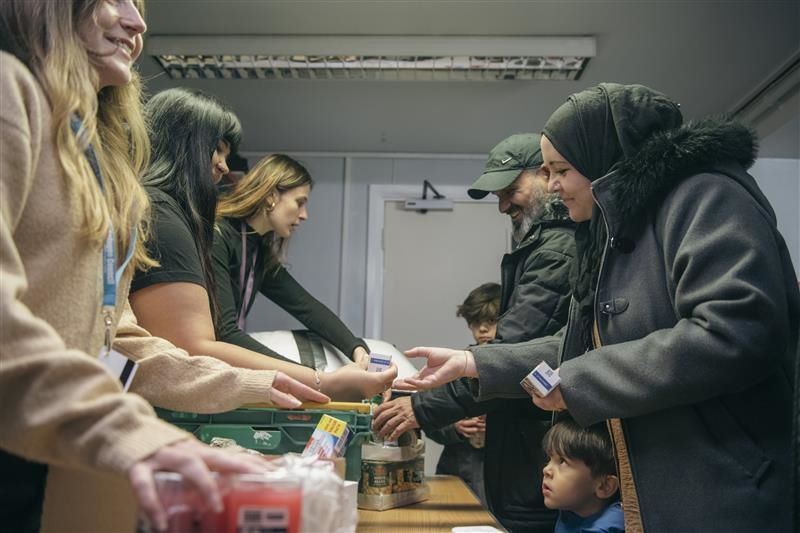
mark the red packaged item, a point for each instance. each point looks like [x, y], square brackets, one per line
[252, 504]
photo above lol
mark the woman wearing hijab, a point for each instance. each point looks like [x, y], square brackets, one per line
[684, 322]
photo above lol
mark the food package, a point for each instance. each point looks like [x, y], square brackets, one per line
[393, 476]
[329, 439]
[295, 495]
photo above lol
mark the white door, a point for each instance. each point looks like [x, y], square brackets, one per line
[431, 262]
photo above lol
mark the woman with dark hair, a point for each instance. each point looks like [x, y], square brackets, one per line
[192, 134]
[187, 128]
[256, 219]
[683, 328]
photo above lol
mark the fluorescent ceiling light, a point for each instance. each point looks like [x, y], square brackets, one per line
[373, 57]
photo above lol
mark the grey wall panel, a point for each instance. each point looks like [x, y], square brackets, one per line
[438, 171]
[362, 172]
[780, 181]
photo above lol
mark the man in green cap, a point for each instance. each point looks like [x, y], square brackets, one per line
[514, 174]
[534, 302]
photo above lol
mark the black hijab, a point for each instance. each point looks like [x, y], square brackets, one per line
[594, 130]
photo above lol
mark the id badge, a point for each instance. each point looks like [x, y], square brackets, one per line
[120, 366]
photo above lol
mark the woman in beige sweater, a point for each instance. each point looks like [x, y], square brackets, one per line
[58, 405]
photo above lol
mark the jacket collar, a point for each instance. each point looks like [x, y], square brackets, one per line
[553, 214]
[638, 183]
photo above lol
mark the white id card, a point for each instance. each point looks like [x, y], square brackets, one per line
[123, 368]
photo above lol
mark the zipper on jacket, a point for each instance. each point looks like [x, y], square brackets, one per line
[599, 342]
[602, 262]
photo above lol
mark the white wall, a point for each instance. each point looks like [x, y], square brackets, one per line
[780, 181]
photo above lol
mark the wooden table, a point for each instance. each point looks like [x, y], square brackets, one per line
[451, 504]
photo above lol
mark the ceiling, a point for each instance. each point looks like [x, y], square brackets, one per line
[711, 56]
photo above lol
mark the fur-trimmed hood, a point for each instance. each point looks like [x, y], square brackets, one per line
[638, 183]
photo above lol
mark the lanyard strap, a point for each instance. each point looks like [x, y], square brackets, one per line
[111, 274]
[246, 287]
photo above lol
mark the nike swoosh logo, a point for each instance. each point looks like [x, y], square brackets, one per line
[506, 160]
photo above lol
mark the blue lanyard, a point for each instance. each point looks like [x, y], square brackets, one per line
[111, 274]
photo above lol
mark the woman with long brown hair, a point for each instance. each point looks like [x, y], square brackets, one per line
[255, 221]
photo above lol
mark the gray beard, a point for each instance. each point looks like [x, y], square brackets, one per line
[529, 215]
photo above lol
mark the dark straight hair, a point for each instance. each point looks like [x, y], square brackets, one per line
[186, 126]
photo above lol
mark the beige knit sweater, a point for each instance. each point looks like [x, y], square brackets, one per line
[58, 404]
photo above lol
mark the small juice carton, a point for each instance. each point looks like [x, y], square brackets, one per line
[541, 380]
[329, 439]
[379, 362]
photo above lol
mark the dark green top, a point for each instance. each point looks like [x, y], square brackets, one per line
[276, 284]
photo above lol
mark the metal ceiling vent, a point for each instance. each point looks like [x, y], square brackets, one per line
[390, 58]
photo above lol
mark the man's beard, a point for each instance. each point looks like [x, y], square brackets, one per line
[530, 214]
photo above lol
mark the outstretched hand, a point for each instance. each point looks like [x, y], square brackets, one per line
[443, 366]
[353, 383]
[289, 393]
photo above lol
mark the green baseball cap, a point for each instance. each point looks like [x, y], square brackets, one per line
[506, 160]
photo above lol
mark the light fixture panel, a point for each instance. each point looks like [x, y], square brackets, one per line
[395, 58]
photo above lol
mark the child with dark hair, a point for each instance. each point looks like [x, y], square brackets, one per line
[480, 311]
[580, 479]
[464, 440]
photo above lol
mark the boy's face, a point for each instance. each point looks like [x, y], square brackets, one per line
[568, 485]
[483, 331]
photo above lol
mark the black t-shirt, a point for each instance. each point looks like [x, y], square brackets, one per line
[171, 243]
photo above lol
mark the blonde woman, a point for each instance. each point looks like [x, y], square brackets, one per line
[71, 208]
[255, 222]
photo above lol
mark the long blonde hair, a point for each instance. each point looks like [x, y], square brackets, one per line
[274, 173]
[43, 34]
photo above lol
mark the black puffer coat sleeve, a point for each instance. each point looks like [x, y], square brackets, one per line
[538, 303]
[445, 436]
[442, 406]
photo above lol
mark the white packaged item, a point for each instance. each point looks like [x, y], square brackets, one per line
[379, 362]
[329, 439]
[542, 380]
[325, 505]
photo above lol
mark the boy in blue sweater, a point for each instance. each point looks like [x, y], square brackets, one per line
[580, 479]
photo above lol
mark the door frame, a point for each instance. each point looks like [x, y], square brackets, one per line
[378, 196]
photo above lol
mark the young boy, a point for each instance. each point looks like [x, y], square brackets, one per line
[580, 479]
[462, 455]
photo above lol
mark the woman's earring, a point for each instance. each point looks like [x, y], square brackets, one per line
[269, 207]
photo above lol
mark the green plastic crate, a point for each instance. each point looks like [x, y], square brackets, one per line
[274, 431]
